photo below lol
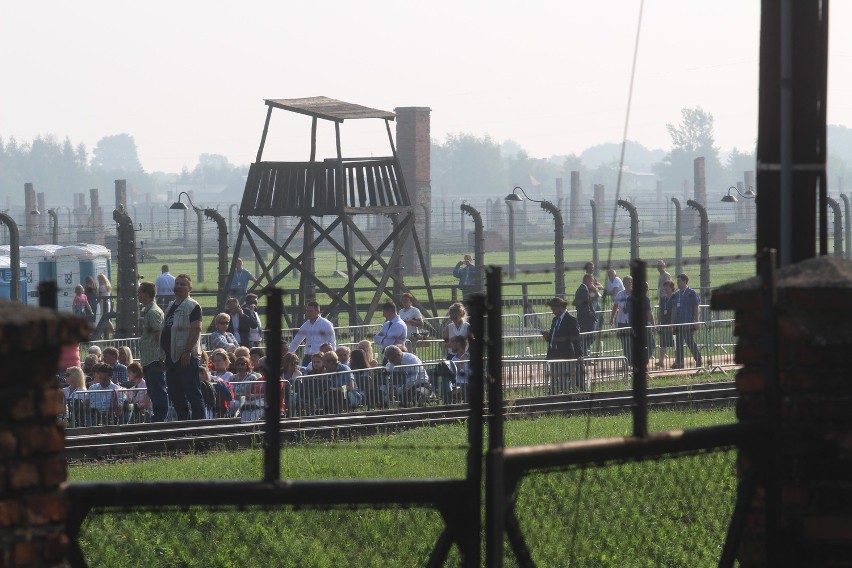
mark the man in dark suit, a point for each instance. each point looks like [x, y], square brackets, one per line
[563, 342]
[585, 310]
[241, 323]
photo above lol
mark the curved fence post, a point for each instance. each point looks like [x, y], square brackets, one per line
[214, 215]
[848, 225]
[14, 257]
[634, 227]
[705, 247]
[478, 242]
[127, 308]
[558, 246]
[838, 226]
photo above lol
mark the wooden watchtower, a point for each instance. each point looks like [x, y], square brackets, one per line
[338, 187]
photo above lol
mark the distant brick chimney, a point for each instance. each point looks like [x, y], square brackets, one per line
[413, 142]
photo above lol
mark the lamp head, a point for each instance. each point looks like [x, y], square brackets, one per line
[513, 197]
[35, 212]
[178, 205]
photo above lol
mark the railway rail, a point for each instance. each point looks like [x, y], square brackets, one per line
[152, 439]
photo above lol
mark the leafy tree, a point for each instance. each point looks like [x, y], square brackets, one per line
[468, 165]
[691, 139]
[116, 153]
[737, 163]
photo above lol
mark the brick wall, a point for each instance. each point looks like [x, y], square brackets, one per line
[33, 509]
[812, 463]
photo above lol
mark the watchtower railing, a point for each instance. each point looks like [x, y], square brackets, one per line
[317, 188]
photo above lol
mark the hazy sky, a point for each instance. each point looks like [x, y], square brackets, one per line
[190, 77]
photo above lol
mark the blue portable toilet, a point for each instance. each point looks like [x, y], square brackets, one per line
[41, 266]
[74, 263]
[6, 278]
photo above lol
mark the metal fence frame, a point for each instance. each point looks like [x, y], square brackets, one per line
[458, 500]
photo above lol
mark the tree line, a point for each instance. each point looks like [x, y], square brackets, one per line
[462, 164]
[59, 169]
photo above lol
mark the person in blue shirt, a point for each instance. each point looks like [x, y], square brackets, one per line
[465, 271]
[686, 302]
[240, 281]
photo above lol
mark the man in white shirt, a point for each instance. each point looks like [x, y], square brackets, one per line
[411, 383]
[614, 285]
[165, 284]
[314, 332]
[393, 331]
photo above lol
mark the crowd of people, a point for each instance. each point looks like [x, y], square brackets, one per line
[172, 377]
[677, 309]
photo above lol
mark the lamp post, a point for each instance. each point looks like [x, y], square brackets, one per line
[678, 237]
[178, 205]
[513, 269]
[14, 257]
[595, 243]
[558, 240]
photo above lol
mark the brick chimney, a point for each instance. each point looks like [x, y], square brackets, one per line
[413, 144]
[33, 509]
[811, 467]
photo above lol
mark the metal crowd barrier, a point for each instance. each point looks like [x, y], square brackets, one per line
[528, 378]
[106, 407]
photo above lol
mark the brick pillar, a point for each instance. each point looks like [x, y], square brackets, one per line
[413, 141]
[97, 217]
[574, 213]
[33, 509]
[812, 464]
[121, 193]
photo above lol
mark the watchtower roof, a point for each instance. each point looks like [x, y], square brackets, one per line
[329, 109]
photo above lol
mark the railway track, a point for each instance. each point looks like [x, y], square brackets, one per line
[140, 440]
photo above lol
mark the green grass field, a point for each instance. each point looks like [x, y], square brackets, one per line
[540, 281]
[668, 512]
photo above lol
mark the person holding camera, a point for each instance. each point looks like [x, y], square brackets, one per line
[465, 271]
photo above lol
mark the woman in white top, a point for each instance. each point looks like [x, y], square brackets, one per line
[458, 326]
[76, 380]
[410, 315]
